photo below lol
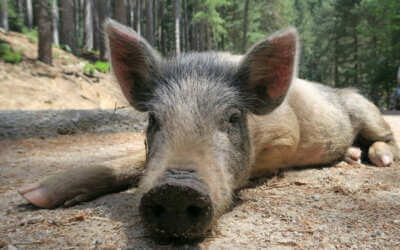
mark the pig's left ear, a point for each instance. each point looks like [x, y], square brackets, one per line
[267, 70]
[134, 62]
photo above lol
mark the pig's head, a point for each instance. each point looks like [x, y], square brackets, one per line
[198, 142]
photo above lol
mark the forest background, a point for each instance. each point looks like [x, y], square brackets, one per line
[344, 42]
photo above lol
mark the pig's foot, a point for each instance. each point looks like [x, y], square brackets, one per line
[76, 185]
[380, 154]
[353, 156]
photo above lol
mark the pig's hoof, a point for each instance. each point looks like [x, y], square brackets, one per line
[353, 156]
[37, 195]
[380, 154]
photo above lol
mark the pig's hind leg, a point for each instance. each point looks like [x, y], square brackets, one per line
[80, 184]
[375, 135]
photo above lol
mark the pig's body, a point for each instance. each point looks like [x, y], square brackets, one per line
[214, 121]
[311, 127]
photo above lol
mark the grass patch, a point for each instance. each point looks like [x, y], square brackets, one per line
[90, 69]
[9, 55]
[32, 34]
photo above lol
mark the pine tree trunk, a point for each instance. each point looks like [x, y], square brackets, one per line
[149, 22]
[21, 14]
[55, 17]
[160, 26]
[102, 13]
[138, 17]
[4, 15]
[187, 47]
[43, 10]
[245, 25]
[29, 14]
[68, 34]
[120, 13]
[177, 27]
[88, 45]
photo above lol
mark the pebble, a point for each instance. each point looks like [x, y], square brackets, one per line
[396, 222]
[316, 197]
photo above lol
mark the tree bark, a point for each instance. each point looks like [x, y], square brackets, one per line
[55, 17]
[102, 12]
[177, 27]
[43, 9]
[4, 15]
[245, 25]
[138, 16]
[120, 11]
[29, 14]
[68, 35]
[149, 22]
[88, 45]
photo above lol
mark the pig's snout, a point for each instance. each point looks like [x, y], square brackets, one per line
[179, 206]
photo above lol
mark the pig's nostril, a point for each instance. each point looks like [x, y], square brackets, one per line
[158, 211]
[194, 212]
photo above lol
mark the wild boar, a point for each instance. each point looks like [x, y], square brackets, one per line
[216, 120]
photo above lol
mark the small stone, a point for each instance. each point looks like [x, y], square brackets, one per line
[316, 197]
[396, 222]
[20, 151]
[12, 247]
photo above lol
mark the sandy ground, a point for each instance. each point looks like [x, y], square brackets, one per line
[334, 207]
[32, 85]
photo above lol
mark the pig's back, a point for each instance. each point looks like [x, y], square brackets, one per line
[325, 130]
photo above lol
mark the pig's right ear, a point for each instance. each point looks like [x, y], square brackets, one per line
[134, 63]
[267, 70]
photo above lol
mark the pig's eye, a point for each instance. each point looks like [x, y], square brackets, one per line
[153, 121]
[235, 117]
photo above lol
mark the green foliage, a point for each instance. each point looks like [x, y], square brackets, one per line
[9, 55]
[89, 69]
[102, 66]
[32, 34]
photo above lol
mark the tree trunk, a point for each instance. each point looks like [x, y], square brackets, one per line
[88, 45]
[186, 26]
[149, 22]
[21, 14]
[120, 13]
[43, 10]
[68, 35]
[138, 16]
[160, 27]
[55, 17]
[131, 13]
[177, 27]
[29, 14]
[101, 9]
[4, 14]
[245, 25]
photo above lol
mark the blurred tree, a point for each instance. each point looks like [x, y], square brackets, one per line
[43, 10]
[68, 34]
[4, 14]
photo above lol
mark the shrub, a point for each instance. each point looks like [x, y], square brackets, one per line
[31, 34]
[102, 66]
[89, 69]
[9, 55]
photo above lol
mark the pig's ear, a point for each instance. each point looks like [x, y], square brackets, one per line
[267, 70]
[135, 64]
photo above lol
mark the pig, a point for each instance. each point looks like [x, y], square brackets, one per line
[216, 120]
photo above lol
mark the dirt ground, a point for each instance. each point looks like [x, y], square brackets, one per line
[334, 207]
[32, 85]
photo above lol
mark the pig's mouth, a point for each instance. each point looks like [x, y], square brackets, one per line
[178, 207]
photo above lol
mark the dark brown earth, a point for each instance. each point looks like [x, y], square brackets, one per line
[338, 206]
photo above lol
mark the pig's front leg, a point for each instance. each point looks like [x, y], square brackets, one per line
[81, 184]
